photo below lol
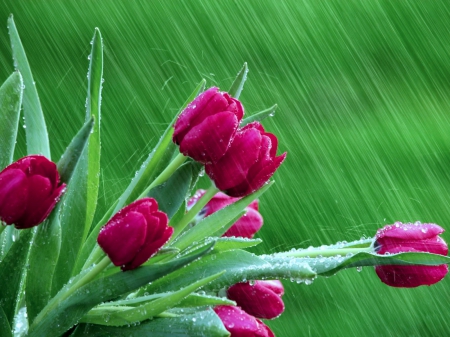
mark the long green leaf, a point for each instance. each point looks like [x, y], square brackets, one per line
[44, 254]
[199, 324]
[70, 157]
[216, 223]
[93, 107]
[144, 311]
[238, 83]
[12, 269]
[68, 312]
[36, 129]
[239, 266]
[10, 103]
[259, 116]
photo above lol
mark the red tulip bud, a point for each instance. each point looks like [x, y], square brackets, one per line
[29, 190]
[135, 233]
[248, 163]
[206, 127]
[411, 237]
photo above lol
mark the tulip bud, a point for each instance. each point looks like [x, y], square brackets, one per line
[262, 299]
[246, 226]
[206, 127]
[248, 163]
[29, 190]
[241, 324]
[409, 237]
[135, 233]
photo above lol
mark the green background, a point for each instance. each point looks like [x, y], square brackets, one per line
[364, 113]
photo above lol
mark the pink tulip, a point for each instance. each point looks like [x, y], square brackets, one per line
[135, 233]
[29, 190]
[248, 163]
[409, 237]
[206, 127]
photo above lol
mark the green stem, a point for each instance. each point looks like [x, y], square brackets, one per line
[95, 255]
[166, 174]
[190, 215]
[316, 252]
[55, 301]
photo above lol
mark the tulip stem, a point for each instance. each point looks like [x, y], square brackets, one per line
[313, 253]
[55, 301]
[190, 215]
[95, 255]
[166, 174]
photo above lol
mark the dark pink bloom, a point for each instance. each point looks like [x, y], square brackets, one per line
[262, 299]
[241, 324]
[245, 227]
[249, 162]
[206, 127]
[29, 190]
[411, 237]
[135, 233]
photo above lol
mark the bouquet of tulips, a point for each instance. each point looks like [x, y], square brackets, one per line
[165, 259]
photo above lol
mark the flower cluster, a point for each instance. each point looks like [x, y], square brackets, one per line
[238, 160]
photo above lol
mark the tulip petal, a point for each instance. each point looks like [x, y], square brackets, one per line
[13, 195]
[256, 300]
[122, 239]
[275, 285]
[405, 231]
[209, 140]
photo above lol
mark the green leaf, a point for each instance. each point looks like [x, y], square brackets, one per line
[80, 199]
[12, 270]
[172, 193]
[219, 222]
[93, 108]
[199, 324]
[231, 243]
[5, 328]
[7, 239]
[44, 254]
[157, 160]
[198, 300]
[10, 103]
[118, 317]
[259, 116]
[70, 157]
[238, 84]
[239, 265]
[59, 316]
[36, 130]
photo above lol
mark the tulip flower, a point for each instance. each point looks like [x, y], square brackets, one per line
[241, 324]
[262, 299]
[135, 233]
[410, 237]
[246, 226]
[248, 163]
[206, 127]
[29, 190]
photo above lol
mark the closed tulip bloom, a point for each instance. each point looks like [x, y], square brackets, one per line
[262, 299]
[206, 127]
[246, 226]
[29, 190]
[241, 324]
[135, 233]
[249, 162]
[411, 237]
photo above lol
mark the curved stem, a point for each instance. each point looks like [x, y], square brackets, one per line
[312, 253]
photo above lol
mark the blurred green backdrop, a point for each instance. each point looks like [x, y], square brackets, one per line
[363, 95]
